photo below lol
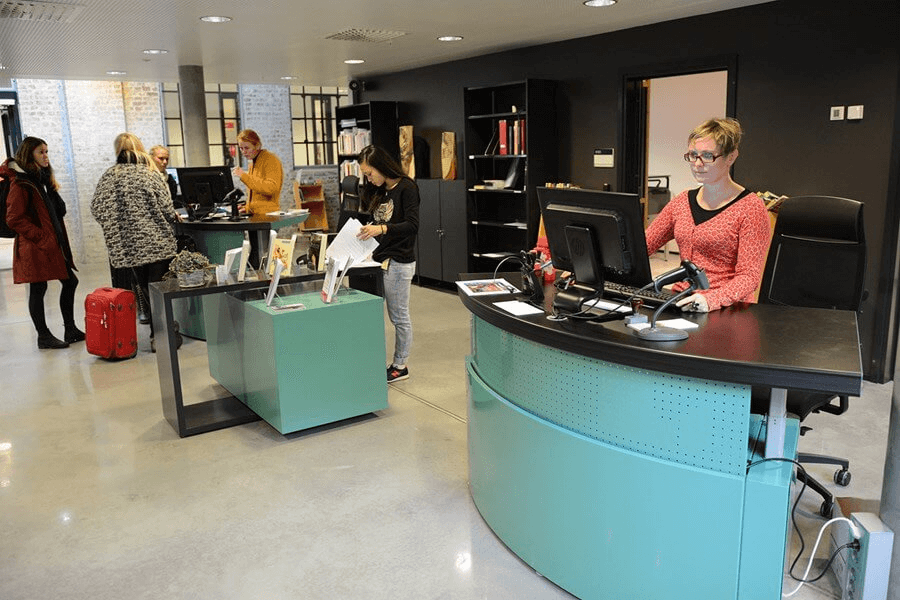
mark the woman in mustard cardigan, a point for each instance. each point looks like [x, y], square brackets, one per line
[263, 176]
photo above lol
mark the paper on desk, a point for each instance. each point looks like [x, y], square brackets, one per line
[347, 245]
[601, 304]
[287, 213]
[673, 323]
[518, 308]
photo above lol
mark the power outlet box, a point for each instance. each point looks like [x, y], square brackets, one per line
[863, 574]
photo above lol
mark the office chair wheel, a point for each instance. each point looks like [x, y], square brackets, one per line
[842, 477]
[827, 509]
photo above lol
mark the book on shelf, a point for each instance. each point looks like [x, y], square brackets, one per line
[503, 134]
[515, 137]
[352, 141]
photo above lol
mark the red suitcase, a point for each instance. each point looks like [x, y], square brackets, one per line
[110, 323]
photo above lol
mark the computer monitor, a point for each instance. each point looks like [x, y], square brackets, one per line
[597, 235]
[204, 186]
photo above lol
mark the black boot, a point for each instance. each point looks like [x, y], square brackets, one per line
[73, 334]
[47, 341]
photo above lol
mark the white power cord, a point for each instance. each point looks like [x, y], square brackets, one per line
[854, 529]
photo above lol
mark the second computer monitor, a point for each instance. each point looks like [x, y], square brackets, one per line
[204, 186]
[597, 235]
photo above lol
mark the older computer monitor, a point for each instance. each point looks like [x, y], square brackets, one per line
[597, 235]
[204, 187]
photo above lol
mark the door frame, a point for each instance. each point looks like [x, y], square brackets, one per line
[633, 106]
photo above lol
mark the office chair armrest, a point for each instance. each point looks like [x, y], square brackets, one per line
[839, 409]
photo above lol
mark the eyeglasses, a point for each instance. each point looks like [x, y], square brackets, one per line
[705, 157]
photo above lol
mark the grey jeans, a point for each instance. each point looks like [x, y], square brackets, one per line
[397, 282]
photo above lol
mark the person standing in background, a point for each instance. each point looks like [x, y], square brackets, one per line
[392, 198]
[41, 252]
[160, 155]
[263, 176]
[134, 209]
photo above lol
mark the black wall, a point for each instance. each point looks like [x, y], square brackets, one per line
[795, 59]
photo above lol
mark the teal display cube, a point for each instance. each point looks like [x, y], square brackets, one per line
[300, 368]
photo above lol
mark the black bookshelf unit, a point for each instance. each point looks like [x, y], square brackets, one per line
[503, 216]
[378, 117]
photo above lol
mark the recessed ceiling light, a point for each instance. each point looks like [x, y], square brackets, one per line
[600, 2]
[155, 51]
[215, 19]
[450, 38]
[354, 61]
[116, 72]
[288, 77]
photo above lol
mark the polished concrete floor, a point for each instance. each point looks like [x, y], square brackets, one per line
[100, 499]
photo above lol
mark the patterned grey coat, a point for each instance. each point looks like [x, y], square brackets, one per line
[134, 209]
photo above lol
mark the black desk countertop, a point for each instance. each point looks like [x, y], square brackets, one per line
[251, 223]
[754, 344]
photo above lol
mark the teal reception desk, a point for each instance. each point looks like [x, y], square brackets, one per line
[620, 469]
[299, 368]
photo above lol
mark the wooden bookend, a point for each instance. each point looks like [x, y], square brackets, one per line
[407, 158]
[448, 155]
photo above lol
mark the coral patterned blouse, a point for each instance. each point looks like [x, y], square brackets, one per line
[731, 246]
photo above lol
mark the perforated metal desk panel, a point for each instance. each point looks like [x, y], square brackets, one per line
[617, 468]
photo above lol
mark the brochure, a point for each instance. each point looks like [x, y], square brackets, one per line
[485, 287]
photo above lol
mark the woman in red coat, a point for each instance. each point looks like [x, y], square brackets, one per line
[34, 210]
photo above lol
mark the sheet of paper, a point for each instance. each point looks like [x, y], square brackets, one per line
[674, 323]
[346, 244]
[601, 304]
[519, 308]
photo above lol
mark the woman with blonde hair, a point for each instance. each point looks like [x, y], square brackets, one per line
[134, 209]
[41, 251]
[720, 226]
[263, 176]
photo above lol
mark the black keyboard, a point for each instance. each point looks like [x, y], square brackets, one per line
[650, 297]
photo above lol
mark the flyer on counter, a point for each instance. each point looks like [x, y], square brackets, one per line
[485, 287]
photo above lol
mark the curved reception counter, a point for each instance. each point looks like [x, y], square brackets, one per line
[625, 469]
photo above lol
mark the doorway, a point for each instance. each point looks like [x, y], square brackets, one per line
[661, 105]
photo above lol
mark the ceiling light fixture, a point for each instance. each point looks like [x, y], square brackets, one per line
[600, 2]
[116, 73]
[288, 77]
[155, 51]
[354, 61]
[215, 19]
[450, 38]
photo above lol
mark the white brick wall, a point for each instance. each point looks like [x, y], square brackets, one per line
[80, 120]
[266, 109]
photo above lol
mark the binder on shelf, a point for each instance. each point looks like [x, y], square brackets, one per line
[503, 134]
[515, 136]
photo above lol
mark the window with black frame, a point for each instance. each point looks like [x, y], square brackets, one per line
[313, 123]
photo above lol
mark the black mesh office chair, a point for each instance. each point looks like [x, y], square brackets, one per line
[817, 259]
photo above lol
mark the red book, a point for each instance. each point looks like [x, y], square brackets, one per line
[504, 148]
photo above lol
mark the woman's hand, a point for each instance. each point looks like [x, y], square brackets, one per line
[370, 231]
[694, 303]
[237, 172]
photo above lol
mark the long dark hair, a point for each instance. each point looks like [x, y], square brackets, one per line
[384, 163]
[25, 159]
